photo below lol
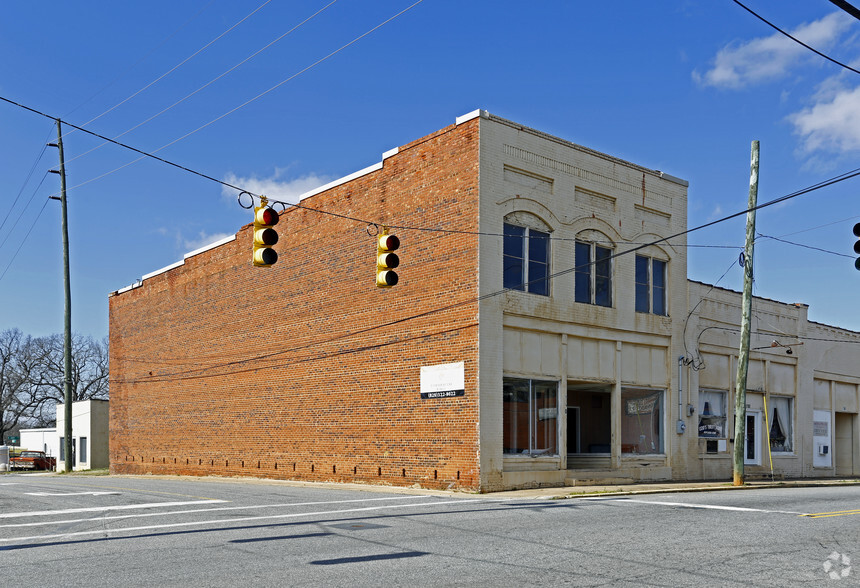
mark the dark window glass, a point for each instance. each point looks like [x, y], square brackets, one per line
[582, 279]
[658, 290]
[514, 257]
[602, 277]
[526, 260]
[642, 284]
[530, 417]
[538, 262]
[515, 420]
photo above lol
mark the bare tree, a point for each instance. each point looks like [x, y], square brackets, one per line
[32, 377]
[20, 361]
[89, 373]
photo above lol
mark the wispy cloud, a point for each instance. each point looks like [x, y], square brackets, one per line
[738, 65]
[716, 213]
[275, 186]
[831, 123]
[201, 240]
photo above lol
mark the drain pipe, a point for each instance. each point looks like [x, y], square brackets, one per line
[681, 425]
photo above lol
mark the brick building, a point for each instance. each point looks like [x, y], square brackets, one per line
[522, 346]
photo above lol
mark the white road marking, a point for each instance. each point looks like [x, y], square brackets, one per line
[73, 493]
[195, 510]
[233, 521]
[46, 513]
[709, 506]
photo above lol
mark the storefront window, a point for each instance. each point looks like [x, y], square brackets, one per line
[641, 422]
[530, 417]
[779, 420]
[712, 414]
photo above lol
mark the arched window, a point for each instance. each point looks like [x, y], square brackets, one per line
[593, 273]
[526, 254]
[651, 285]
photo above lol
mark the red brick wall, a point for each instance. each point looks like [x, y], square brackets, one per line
[201, 385]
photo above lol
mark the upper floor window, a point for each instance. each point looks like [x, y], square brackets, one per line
[593, 275]
[526, 259]
[650, 285]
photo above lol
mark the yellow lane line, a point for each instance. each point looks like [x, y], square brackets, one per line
[836, 513]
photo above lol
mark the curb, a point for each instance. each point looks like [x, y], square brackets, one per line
[688, 489]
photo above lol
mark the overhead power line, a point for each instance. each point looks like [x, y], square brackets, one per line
[14, 255]
[853, 11]
[805, 246]
[151, 154]
[244, 104]
[24, 185]
[204, 86]
[178, 65]
[136, 63]
[23, 210]
[795, 39]
[124, 145]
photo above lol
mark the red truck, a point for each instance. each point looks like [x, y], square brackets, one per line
[32, 460]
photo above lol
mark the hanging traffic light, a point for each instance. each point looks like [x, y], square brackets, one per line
[386, 259]
[857, 245]
[265, 236]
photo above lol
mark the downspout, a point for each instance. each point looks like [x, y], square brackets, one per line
[681, 426]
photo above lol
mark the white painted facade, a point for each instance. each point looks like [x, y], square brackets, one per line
[631, 385]
[89, 435]
[44, 439]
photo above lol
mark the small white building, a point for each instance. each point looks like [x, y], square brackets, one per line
[45, 439]
[89, 435]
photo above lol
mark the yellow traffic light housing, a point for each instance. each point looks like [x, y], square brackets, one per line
[386, 259]
[265, 236]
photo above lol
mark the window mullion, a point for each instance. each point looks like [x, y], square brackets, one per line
[531, 416]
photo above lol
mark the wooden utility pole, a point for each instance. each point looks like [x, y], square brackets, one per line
[744, 350]
[67, 314]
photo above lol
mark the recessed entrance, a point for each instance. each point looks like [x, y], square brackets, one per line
[844, 444]
[589, 426]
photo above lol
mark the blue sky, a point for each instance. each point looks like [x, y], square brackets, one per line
[682, 87]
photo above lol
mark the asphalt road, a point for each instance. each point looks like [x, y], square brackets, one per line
[145, 531]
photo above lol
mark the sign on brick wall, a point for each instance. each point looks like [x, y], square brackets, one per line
[445, 380]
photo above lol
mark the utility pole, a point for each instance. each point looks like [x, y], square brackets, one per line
[67, 314]
[744, 350]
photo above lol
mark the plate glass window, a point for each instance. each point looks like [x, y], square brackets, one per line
[530, 417]
[780, 424]
[526, 259]
[641, 421]
[712, 414]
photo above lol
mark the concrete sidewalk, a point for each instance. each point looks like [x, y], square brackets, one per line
[662, 487]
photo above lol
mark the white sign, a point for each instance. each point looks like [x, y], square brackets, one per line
[821, 452]
[443, 381]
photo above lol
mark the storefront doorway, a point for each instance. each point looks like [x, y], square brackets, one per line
[752, 438]
[589, 426]
[843, 452]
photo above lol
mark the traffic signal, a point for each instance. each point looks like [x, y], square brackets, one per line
[265, 236]
[857, 245]
[386, 259]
